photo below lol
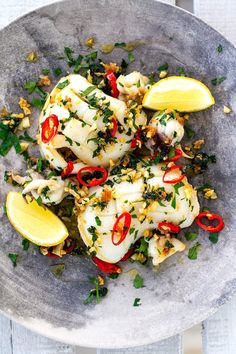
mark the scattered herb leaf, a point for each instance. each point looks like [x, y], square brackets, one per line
[25, 244]
[13, 257]
[192, 252]
[191, 236]
[138, 281]
[214, 237]
[137, 302]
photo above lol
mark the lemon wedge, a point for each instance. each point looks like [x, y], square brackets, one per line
[38, 224]
[181, 93]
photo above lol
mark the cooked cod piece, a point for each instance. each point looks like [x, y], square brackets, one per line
[149, 200]
[169, 128]
[86, 117]
[132, 85]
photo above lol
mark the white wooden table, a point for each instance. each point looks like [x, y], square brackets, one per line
[219, 331]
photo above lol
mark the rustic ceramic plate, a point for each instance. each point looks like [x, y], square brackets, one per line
[183, 292]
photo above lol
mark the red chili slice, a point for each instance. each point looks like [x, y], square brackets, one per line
[112, 83]
[105, 266]
[178, 155]
[136, 141]
[210, 216]
[127, 255]
[95, 181]
[121, 230]
[168, 227]
[172, 181]
[68, 169]
[114, 128]
[66, 249]
[49, 128]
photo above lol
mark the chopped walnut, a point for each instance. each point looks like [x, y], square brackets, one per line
[44, 81]
[150, 131]
[24, 105]
[209, 193]
[89, 42]
[4, 112]
[226, 110]
[101, 280]
[32, 57]
[180, 119]
[112, 66]
[198, 144]
[106, 195]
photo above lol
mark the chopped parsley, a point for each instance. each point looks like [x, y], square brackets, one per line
[57, 71]
[219, 48]
[98, 221]
[39, 201]
[138, 281]
[218, 80]
[181, 71]
[173, 203]
[191, 236]
[177, 186]
[38, 103]
[93, 231]
[69, 54]
[120, 44]
[131, 57]
[163, 67]
[63, 84]
[98, 292]
[30, 86]
[87, 91]
[143, 247]
[193, 251]
[214, 237]
[8, 140]
[45, 71]
[189, 132]
[27, 137]
[137, 302]
[25, 244]
[13, 257]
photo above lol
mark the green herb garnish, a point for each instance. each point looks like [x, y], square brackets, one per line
[177, 186]
[30, 86]
[219, 48]
[25, 244]
[214, 237]
[181, 71]
[131, 57]
[218, 80]
[63, 84]
[36, 102]
[193, 251]
[163, 67]
[137, 302]
[138, 281]
[57, 71]
[45, 71]
[191, 236]
[98, 221]
[189, 132]
[13, 257]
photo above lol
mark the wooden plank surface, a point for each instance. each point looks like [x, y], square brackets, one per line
[219, 331]
[219, 14]
[171, 345]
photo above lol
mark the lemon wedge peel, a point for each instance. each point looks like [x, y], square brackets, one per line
[36, 223]
[184, 94]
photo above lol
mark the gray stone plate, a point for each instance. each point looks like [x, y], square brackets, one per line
[183, 292]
